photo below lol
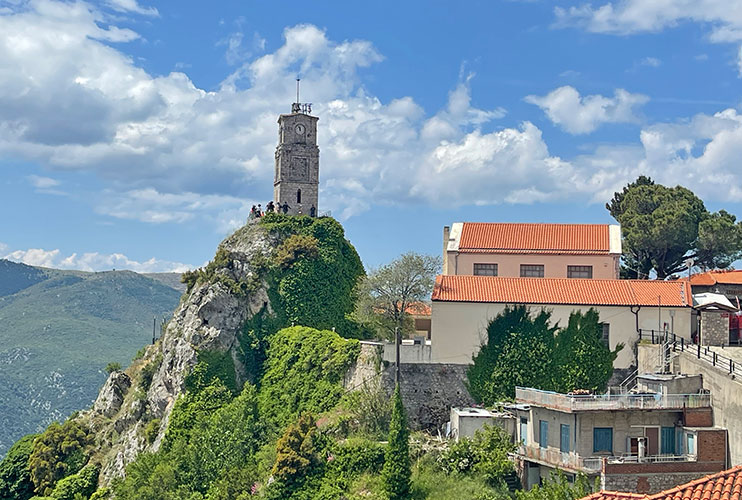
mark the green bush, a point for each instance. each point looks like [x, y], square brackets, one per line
[83, 483]
[15, 476]
[486, 454]
[151, 430]
[396, 471]
[558, 488]
[148, 372]
[304, 373]
[59, 452]
[113, 367]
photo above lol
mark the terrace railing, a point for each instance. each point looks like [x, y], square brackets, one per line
[628, 401]
[679, 344]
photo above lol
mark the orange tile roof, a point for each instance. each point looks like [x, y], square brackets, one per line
[730, 277]
[615, 495]
[725, 485]
[496, 237]
[461, 288]
[418, 309]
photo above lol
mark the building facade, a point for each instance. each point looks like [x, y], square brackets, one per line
[296, 181]
[642, 442]
[589, 251]
[464, 305]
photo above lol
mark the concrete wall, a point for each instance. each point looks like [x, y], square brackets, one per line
[727, 403]
[459, 328]
[555, 266]
[428, 390]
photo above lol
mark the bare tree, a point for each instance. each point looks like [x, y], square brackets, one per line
[386, 294]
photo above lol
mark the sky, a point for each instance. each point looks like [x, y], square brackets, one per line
[137, 135]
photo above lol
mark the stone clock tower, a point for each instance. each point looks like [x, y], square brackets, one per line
[297, 161]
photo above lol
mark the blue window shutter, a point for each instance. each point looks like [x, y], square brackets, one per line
[668, 441]
[603, 439]
[564, 438]
[543, 434]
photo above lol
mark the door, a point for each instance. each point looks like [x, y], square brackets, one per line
[733, 329]
[653, 440]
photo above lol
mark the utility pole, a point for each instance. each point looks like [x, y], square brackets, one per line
[154, 326]
[398, 342]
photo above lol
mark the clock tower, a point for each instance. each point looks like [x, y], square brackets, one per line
[296, 179]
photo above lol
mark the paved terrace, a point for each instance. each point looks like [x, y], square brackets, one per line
[645, 401]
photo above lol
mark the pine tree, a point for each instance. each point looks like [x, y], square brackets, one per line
[396, 472]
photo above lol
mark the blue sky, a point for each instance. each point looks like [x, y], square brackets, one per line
[137, 135]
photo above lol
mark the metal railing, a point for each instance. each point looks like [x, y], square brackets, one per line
[627, 401]
[573, 461]
[559, 459]
[679, 344]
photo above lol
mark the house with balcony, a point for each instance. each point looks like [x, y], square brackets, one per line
[463, 306]
[587, 251]
[640, 442]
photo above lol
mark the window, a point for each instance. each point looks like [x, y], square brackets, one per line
[523, 430]
[531, 271]
[605, 333]
[580, 272]
[564, 438]
[485, 269]
[690, 444]
[603, 439]
[667, 441]
[298, 196]
[543, 433]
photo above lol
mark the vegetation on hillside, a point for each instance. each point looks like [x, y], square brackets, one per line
[664, 226]
[58, 334]
[524, 349]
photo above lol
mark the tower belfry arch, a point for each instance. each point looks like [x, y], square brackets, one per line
[296, 181]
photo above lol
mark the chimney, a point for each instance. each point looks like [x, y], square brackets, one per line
[446, 234]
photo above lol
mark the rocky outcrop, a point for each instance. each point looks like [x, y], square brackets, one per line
[111, 396]
[209, 317]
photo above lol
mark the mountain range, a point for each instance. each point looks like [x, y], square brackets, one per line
[59, 330]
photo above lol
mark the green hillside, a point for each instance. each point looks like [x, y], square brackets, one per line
[59, 329]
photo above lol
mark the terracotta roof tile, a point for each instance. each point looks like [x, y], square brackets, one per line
[725, 485]
[731, 277]
[535, 238]
[560, 291]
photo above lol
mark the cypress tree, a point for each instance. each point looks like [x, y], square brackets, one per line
[396, 472]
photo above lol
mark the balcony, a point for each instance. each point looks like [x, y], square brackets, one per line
[591, 465]
[629, 401]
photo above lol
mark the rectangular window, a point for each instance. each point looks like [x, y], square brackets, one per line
[543, 433]
[667, 440]
[603, 439]
[580, 272]
[531, 271]
[690, 444]
[564, 438]
[605, 333]
[523, 430]
[485, 269]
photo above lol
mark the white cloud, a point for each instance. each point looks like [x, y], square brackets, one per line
[167, 151]
[651, 61]
[132, 6]
[40, 182]
[583, 114]
[632, 16]
[92, 261]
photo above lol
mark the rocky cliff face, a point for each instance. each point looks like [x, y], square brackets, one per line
[130, 414]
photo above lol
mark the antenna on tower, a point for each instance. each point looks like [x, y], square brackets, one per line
[297, 89]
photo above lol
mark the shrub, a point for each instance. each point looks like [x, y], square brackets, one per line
[148, 372]
[113, 367]
[83, 483]
[304, 373]
[486, 455]
[59, 452]
[151, 430]
[15, 477]
[396, 471]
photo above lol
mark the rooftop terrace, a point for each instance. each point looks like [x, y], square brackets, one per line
[593, 402]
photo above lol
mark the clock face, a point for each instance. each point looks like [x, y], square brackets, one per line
[300, 129]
